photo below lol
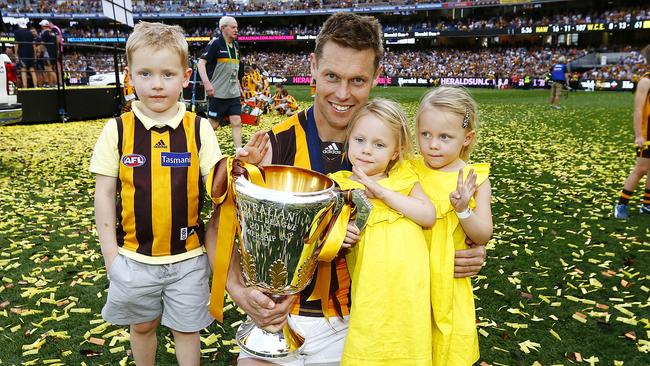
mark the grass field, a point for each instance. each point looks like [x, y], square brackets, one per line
[564, 282]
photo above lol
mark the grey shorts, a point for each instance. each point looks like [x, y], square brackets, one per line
[140, 292]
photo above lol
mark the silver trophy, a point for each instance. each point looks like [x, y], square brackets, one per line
[283, 227]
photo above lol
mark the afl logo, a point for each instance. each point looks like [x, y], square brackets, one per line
[133, 160]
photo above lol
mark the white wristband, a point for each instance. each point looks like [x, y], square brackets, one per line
[465, 214]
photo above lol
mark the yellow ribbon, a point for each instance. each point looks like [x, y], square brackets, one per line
[333, 242]
[227, 229]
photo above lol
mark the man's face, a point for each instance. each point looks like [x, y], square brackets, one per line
[229, 31]
[344, 77]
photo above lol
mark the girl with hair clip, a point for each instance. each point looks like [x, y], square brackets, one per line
[446, 128]
[390, 319]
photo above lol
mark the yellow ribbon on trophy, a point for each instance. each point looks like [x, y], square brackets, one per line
[333, 242]
[228, 227]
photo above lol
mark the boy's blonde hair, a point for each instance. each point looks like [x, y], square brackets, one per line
[456, 100]
[158, 36]
[393, 116]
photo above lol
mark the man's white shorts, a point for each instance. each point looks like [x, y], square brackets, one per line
[323, 340]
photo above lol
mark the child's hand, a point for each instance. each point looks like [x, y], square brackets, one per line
[373, 189]
[255, 149]
[640, 141]
[464, 191]
[351, 236]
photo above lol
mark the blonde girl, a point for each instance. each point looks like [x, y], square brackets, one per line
[446, 127]
[390, 319]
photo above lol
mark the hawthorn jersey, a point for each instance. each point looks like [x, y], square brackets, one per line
[248, 86]
[160, 193]
[295, 141]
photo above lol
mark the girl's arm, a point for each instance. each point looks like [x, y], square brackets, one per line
[416, 206]
[478, 225]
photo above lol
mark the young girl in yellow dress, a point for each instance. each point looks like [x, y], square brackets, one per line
[460, 192]
[390, 319]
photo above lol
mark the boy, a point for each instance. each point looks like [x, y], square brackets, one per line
[153, 158]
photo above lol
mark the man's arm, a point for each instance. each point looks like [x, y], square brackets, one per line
[203, 73]
[105, 216]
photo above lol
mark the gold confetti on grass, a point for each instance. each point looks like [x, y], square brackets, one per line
[555, 176]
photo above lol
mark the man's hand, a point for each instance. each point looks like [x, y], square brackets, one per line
[209, 89]
[255, 149]
[468, 262]
[267, 314]
[640, 141]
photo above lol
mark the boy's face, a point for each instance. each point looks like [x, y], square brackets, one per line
[158, 77]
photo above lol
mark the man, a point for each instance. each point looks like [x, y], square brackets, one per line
[641, 123]
[346, 64]
[53, 39]
[218, 67]
[560, 79]
[24, 47]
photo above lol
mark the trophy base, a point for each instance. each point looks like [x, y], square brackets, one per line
[268, 345]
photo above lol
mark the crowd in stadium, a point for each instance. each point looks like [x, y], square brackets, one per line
[442, 24]
[95, 6]
[406, 63]
[436, 63]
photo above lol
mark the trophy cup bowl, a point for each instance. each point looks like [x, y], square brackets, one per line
[282, 225]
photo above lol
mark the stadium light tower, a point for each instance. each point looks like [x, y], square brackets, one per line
[120, 11]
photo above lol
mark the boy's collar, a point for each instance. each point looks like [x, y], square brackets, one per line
[149, 123]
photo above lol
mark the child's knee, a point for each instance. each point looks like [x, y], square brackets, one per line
[235, 122]
[146, 327]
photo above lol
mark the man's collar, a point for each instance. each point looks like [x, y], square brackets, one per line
[149, 123]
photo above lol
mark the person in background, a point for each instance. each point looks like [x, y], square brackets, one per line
[559, 81]
[641, 123]
[24, 47]
[52, 37]
[218, 67]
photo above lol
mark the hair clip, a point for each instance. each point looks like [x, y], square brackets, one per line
[466, 119]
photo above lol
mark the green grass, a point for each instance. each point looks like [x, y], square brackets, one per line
[556, 250]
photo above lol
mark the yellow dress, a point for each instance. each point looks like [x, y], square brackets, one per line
[455, 341]
[390, 319]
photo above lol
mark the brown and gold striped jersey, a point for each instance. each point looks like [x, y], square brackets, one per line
[295, 142]
[160, 194]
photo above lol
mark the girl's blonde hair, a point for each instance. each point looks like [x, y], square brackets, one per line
[393, 116]
[456, 100]
[159, 36]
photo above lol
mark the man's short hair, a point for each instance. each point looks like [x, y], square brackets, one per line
[353, 31]
[159, 36]
[225, 20]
